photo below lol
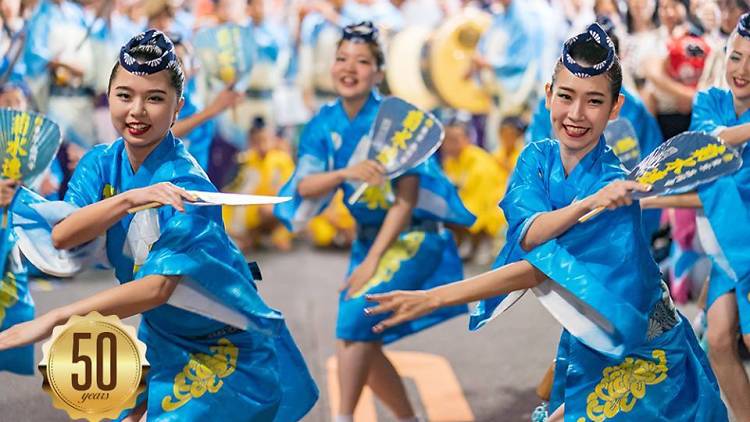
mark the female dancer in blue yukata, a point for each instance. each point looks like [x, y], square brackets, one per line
[633, 110]
[159, 253]
[625, 352]
[400, 240]
[726, 204]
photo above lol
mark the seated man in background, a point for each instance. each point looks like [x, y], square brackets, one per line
[263, 168]
[481, 185]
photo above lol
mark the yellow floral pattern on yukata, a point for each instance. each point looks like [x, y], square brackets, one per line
[623, 385]
[203, 373]
[108, 191]
[8, 294]
[403, 249]
[378, 197]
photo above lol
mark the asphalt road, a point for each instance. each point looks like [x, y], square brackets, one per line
[495, 371]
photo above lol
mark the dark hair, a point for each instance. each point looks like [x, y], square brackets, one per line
[259, 123]
[589, 53]
[144, 53]
[629, 21]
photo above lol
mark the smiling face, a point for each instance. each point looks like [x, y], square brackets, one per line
[143, 108]
[355, 71]
[580, 109]
[738, 67]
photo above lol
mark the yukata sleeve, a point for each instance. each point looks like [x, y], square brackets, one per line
[724, 200]
[574, 292]
[525, 199]
[649, 133]
[216, 281]
[87, 184]
[438, 198]
[705, 114]
[315, 156]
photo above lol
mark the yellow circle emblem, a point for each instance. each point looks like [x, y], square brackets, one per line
[94, 367]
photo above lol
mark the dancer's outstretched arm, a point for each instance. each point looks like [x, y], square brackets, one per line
[124, 301]
[685, 200]
[409, 305]
[93, 220]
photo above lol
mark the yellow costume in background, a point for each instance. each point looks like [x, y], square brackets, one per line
[257, 176]
[507, 158]
[334, 220]
[481, 185]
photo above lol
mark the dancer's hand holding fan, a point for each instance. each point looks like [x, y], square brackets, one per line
[403, 136]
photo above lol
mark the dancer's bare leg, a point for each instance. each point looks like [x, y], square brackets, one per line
[386, 383]
[725, 358]
[354, 360]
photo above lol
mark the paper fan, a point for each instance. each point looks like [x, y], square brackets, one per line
[227, 52]
[28, 143]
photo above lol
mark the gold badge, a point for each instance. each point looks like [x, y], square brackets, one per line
[94, 367]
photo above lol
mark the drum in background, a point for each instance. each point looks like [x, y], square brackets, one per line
[450, 53]
[404, 70]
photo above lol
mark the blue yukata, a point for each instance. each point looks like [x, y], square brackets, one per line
[422, 256]
[625, 352]
[512, 45]
[199, 139]
[726, 205]
[55, 32]
[645, 125]
[216, 350]
[16, 304]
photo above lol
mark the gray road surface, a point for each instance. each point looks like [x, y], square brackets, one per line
[497, 368]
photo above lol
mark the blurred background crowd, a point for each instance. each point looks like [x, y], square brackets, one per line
[480, 66]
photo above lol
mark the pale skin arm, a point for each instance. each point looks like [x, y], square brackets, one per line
[685, 200]
[657, 75]
[319, 184]
[225, 99]
[552, 224]
[396, 219]
[124, 301]
[93, 220]
[736, 135]
[409, 305]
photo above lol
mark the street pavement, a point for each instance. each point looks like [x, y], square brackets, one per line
[451, 374]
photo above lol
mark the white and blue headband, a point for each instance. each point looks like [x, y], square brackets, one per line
[595, 33]
[743, 26]
[155, 41]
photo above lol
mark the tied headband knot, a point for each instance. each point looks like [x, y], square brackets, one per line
[363, 31]
[743, 26]
[153, 41]
[593, 33]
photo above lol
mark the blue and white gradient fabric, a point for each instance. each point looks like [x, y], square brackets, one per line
[726, 205]
[512, 45]
[199, 139]
[216, 349]
[417, 259]
[645, 125]
[594, 33]
[605, 304]
[16, 304]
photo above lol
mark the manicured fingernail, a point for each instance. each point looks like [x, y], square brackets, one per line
[367, 311]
